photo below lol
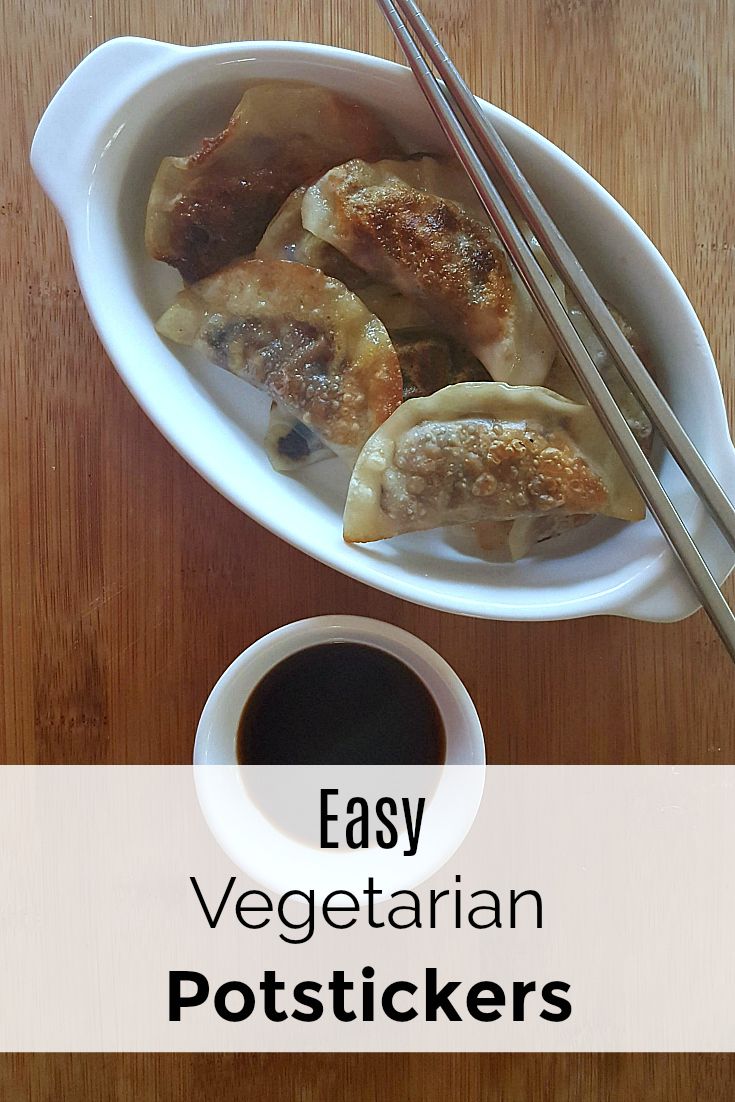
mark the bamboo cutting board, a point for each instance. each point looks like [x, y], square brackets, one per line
[127, 584]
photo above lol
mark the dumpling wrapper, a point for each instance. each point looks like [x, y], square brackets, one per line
[300, 336]
[414, 224]
[485, 451]
[206, 209]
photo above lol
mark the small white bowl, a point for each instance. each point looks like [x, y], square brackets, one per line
[271, 854]
[132, 101]
[215, 742]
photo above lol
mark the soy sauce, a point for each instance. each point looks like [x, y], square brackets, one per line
[341, 704]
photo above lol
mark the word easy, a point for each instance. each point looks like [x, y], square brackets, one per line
[360, 825]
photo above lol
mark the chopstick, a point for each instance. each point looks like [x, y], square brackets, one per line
[573, 275]
[450, 107]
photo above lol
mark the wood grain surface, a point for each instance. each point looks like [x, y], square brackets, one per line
[127, 584]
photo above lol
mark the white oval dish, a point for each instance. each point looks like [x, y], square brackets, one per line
[95, 152]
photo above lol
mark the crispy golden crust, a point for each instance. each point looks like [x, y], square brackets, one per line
[485, 451]
[300, 336]
[207, 209]
[482, 466]
[431, 245]
[214, 220]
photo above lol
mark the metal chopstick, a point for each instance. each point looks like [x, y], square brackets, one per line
[558, 321]
[566, 264]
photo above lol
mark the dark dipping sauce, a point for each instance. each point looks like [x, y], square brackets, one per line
[341, 704]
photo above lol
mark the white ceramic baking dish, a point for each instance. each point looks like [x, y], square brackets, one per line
[95, 152]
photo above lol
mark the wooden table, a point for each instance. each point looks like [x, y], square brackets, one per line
[127, 584]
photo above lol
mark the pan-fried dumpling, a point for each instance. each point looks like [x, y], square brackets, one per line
[442, 253]
[478, 451]
[298, 335]
[290, 444]
[206, 209]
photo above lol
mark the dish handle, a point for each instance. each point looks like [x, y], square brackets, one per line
[670, 596]
[63, 143]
